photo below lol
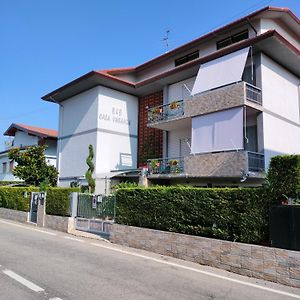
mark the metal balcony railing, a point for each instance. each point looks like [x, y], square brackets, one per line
[253, 93]
[166, 165]
[165, 112]
[256, 162]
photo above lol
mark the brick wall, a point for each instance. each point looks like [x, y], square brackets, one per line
[273, 264]
[150, 140]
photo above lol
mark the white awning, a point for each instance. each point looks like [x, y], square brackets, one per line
[221, 71]
[218, 131]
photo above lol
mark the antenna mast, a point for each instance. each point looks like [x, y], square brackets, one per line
[166, 39]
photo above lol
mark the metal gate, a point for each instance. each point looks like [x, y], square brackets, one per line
[95, 213]
[34, 207]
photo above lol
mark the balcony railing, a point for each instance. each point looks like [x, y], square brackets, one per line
[165, 112]
[253, 93]
[256, 162]
[165, 165]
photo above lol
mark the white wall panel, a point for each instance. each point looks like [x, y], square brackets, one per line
[280, 137]
[177, 91]
[280, 90]
[174, 141]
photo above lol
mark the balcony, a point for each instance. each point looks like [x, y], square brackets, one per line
[166, 112]
[173, 166]
[230, 96]
[256, 162]
[230, 164]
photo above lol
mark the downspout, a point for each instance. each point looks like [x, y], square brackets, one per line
[59, 141]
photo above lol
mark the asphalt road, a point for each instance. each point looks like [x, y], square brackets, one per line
[43, 264]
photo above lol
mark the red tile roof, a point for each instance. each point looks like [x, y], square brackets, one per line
[38, 131]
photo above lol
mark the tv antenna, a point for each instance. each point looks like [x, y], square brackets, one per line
[166, 39]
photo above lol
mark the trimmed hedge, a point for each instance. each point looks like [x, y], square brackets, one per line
[4, 183]
[284, 177]
[13, 197]
[58, 201]
[231, 214]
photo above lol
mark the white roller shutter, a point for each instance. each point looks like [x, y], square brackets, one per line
[218, 131]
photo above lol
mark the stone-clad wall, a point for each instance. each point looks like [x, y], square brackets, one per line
[221, 164]
[278, 265]
[216, 100]
[15, 215]
[64, 224]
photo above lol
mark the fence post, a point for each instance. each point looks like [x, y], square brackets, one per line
[73, 204]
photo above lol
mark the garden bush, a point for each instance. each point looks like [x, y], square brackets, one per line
[58, 201]
[284, 177]
[4, 183]
[226, 213]
[17, 198]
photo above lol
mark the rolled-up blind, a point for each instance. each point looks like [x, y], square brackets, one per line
[221, 71]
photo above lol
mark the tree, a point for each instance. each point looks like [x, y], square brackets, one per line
[89, 172]
[32, 166]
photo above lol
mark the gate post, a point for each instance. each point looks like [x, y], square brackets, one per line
[73, 204]
[41, 211]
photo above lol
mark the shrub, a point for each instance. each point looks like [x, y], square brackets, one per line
[231, 214]
[4, 183]
[14, 197]
[284, 177]
[58, 201]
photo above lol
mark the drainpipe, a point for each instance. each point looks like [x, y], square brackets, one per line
[59, 141]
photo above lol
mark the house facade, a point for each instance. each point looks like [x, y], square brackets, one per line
[209, 113]
[22, 136]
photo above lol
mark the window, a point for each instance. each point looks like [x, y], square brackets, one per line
[4, 165]
[11, 166]
[184, 59]
[243, 35]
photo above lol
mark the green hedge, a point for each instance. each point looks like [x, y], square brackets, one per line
[4, 183]
[284, 177]
[58, 201]
[14, 197]
[231, 214]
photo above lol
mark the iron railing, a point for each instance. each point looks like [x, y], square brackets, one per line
[253, 93]
[165, 165]
[166, 112]
[256, 162]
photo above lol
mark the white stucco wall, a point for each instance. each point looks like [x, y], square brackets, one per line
[174, 141]
[269, 24]
[52, 145]
[118, 129]
[105, 118]
[7, 176]
[281, 120]
[280, 137]
[79, 113]
[74, 151]
[23, 139]
[177, 91]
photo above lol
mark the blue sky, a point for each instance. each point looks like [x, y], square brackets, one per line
[47, 43]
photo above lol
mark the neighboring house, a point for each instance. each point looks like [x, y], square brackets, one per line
[209, 113]
[22, 136]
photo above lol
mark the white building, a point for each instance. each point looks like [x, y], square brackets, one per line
[210, 113]
[22, 136]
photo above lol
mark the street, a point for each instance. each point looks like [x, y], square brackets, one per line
[43, 264]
